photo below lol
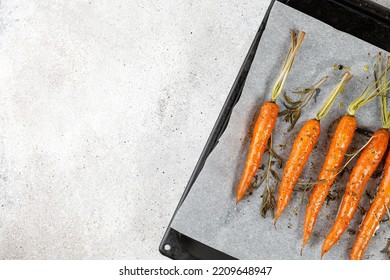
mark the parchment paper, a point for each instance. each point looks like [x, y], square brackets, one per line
[209, 213]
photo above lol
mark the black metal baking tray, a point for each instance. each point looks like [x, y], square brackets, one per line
[361, 18]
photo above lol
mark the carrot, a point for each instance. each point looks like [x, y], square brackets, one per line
[302, 148]
[365, 166]
[340, 142]
[266, 122]
[374, 215]
[382, 199]
[338, 147]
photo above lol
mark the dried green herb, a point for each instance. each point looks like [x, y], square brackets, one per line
[273, 154]
[308, 186]
[271, 179]
[362, 210]
[255, 183]
[341, 67]
[293, 109]
[333, 195]
[369, 195]
[282, 146]
[268, 202]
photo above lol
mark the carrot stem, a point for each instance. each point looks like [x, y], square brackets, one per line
[332, 97]
[382, 89]
[295, 44]
[371, 91]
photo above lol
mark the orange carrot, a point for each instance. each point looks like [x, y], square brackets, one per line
[338, 147]
[263, 129]
[303, 145]
[382, 199]
[374, 215]
[361, 173]
[365, 166]
[302, 148]
[266, 122]
[340, 142]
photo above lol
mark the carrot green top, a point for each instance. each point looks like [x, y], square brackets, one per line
[383, 86]
[295, 44]
[379, 87]
[332, 96]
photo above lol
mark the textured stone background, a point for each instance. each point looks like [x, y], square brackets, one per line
[105, 108]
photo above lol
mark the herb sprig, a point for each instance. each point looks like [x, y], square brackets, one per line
[271, 179]
[293, 109]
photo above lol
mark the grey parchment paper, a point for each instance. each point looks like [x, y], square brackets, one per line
[210, 215]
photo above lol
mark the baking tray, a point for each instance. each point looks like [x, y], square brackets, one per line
[363, 19]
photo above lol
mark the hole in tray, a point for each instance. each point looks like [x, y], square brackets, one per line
[167, 247]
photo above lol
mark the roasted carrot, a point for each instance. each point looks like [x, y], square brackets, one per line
[365, 166]
[302, 148]
[340, 142]
[263, 129]
[382, 199]
[266, 122]
[334, 158]
[374, 215]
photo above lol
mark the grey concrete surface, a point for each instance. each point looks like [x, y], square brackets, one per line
[105, 108]
[385, 3]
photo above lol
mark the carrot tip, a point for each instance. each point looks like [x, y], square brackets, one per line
[277, 216]
[303, 246]
[323, 253]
